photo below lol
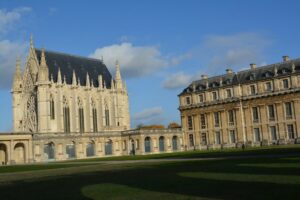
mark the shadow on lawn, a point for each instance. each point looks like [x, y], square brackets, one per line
[164, 178]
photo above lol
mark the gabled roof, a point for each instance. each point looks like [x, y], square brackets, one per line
[244, 77]
[81, 65]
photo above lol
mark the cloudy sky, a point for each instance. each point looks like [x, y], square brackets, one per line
[161, 45]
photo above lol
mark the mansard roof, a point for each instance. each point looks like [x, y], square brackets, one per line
[81, 65]
[243, 77]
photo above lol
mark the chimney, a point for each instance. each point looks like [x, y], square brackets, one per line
[228, 71]
[203, 76]
[285, 58]
[252, 65]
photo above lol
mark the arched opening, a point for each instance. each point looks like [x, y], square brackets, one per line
[80, 116]
[90, 149]
[174, 143]
[132, 150]
[71, 150]
[19, 153]
[108, 148]
[49, 151]
[161, 143]
[66, 115]
[147, 144]
[3, 154]
[107, 122]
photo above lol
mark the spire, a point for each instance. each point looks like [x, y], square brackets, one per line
[18, 75]
[118, 77]
[65, 80]
[100, 81]
[88, 80]
[43, 73]
[92, 83]
[112, 84]
[74, 82]
[78, 82]
[52, 81]
[31, 41]
[59, 80]
[43, 58]
[293, 68]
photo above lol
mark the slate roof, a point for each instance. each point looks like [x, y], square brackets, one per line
[81, 65]
[244, 77]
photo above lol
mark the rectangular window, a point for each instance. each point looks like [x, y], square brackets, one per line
[203, 139]
[268, 86]
[288, 110]
[232, 136]
[228, 93]
[252, 89]
[191, 139]
[190, 122]
[273, 133]
[255, 114]
[81, 120]
[217, 119]
[256, 135]
[201, 98]
[95, 125]
[285, 83]
[202, 121]
[290, 130]
[271, 111]
[107, 122]
[231, 117]
[218, 137]
[188, 100]
[214, 96]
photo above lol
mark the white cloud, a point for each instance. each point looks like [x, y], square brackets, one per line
[177, 80]
[135, 61]
[9, 18]
[236, 51]
[218, 52]
[8, 53]
[149, 116]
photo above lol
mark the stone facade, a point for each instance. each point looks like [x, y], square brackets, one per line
[259, 106]
[70, 107]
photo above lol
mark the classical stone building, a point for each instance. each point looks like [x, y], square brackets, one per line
[258, 106]
[70, 107]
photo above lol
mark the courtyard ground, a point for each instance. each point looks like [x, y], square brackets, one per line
[268, 173]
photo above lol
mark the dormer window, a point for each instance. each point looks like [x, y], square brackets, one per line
[228, 81]
[251, 77]
[201, 98]
[214, 84]
[267, 74]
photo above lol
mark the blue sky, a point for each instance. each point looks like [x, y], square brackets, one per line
[161, 45]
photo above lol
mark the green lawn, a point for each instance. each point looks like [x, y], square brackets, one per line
[240, 178]
[23, 168]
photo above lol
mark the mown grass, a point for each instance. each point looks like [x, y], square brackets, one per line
[243, 178]
[34, 167]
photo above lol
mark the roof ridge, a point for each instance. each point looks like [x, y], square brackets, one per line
[72, 55]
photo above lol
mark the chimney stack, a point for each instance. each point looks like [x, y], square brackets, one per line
[229, 71]
[252, 65]
[285, 58]
[203, 76]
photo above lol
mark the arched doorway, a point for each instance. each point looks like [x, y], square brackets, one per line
[3, 154]
[90, 149]
[174, 143]
[161, 143]
[108, 148]
[49, 151]
[147, 144]
[132, 150]
[71, 150]
[19, 153]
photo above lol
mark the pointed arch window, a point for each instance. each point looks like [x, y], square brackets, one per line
[107, 123]
[52, 108]
[81, 116]
[94, 111]
[66, 115]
